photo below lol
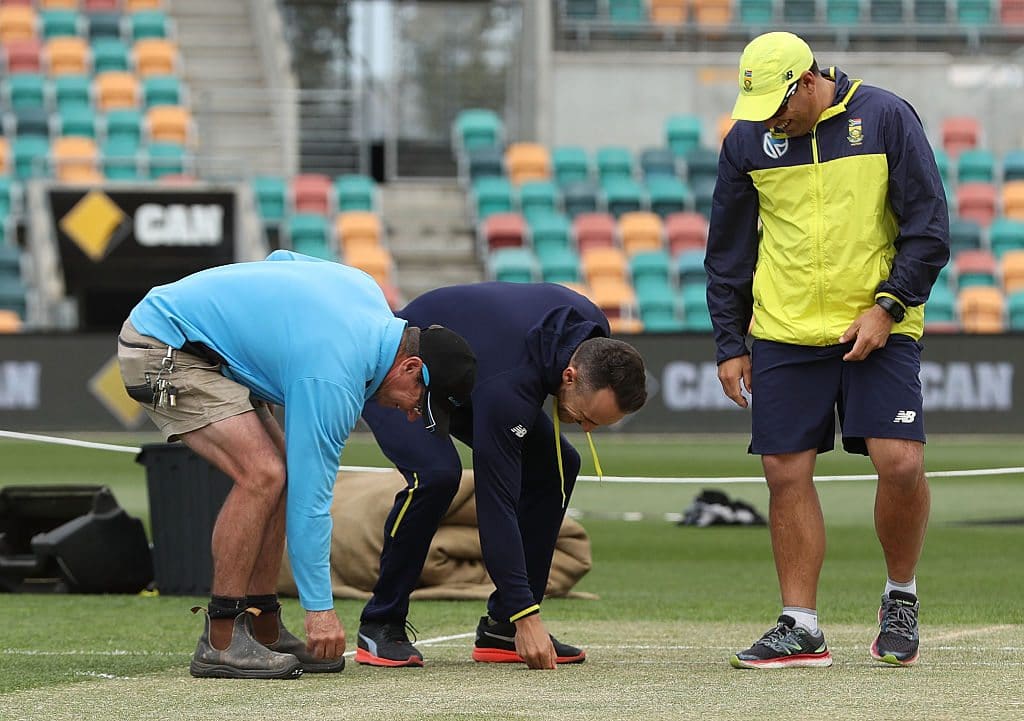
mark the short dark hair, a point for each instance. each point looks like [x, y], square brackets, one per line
[609, 363]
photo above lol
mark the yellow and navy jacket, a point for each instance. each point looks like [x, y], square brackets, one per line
[853, 210]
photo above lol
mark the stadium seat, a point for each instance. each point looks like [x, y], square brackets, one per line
[25, 90]
[942, 163]
[668, 12]
[29, 156]
[75, 160]
[981, 309]
[358, 227]
[162, 90]
[941, 306]
[101, 6]
[7, 185]
[110, 54]
[799, 12]
[975, 165]
[977, 202]
[134, 6]
[959, 134]
[1013, 165]
[974, 267]
[489, 196]
[155, 56]
[690, 268]
[842, 12]
[77, 120]
[169, 124]
[148, 24]
[120, 156]
[1013, 199]
[579, 198]
[512, 265]
[67, 56]
[667, 195]
[559, 265]
[12, 295]
[701, 163]
[682, 133]
[527, 161]
[124, 123]
[23, 56]
[481, 163]
[712, 13]
[502, 230]
[756, 12]
[271, 195]
[650, 269]
[17, 22]
[28, 121]
[104, 25]
[686, 231]
[1015, 311]
[307, 233]
[549, 232]
[964, 234]
[10, 321]
[59, 23]
[58, 4]
[930, 11]
[1011, 271]
[537, 198]
[477, 128]
[657, 162]
[622, 195]
[355, 192]
[1011, 12]
[570, 164]
[311, 193]
[627, 11]
[886, 12]
[656, 298]
[613, 162]
[71, 91]
[974, 12]
[703, 195]
[581, 9]
[166, 158]
[115, 89]
[696, 317]
[617, 300]
[1004, 235]
[599, 264]
[640, 231]
[593, 230]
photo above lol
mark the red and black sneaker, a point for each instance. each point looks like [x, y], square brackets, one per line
[496, 643]
[385, 643]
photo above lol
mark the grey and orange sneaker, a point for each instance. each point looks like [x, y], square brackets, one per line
[245, 657]
[386, 643]
[496, 643]
[785, 646]
[897, 642]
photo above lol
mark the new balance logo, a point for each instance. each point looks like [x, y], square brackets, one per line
[519, 430]
[905, 417]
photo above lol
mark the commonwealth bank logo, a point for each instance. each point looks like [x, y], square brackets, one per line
[96, 225]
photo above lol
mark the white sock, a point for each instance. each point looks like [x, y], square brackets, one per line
[908, 587]
[806, 618]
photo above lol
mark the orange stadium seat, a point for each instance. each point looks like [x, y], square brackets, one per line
[503, 230]
[615, 297]
[5, 153]
[358, 227]
[686, 231]
[10, 321]
[17, 22]
[712, 12]
[116, 90]
[155, 56]
[375, 260]
[981, 309]
[960, 133]
[593, 230]
[527, 161]
[58, 4]
[1011, 269]
[639, 231]
[601, 264]
[67, 56]
[169, 124]
[977, 202]
[1013, 199]
[133, 6]
[311, 193]
[24, 56]
[76, 160]
[668, 12]
[725, 123]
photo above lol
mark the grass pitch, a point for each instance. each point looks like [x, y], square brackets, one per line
[674, 604]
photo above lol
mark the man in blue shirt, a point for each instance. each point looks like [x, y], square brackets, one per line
[207, 355]
[532, 341]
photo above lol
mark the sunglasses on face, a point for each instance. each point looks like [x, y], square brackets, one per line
[785, 100]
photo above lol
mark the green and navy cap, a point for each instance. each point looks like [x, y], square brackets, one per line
[770, 64]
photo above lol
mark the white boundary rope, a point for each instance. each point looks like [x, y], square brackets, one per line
[14, 435]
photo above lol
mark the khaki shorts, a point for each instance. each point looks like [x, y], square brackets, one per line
[203, 396]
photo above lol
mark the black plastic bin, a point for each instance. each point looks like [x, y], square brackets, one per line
[185, 496]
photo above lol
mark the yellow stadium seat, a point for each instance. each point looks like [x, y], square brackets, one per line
[358, 228]
[76, 160]
[10, 321]
[640, 231]
[155, 56]
[600, 264]
[527, 161]
[981, 309]
[67, 56]
[169, 124]
[374, 260]
[116, 90]
[17, 22]
[1012, 271]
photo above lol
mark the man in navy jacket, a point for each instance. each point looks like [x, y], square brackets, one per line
[531, 341]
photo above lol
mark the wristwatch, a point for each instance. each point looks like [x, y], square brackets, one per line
[892, 307]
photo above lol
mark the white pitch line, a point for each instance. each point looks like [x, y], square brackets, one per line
[85, 652]
[954, 635]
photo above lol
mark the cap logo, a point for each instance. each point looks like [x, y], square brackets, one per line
[789, 75]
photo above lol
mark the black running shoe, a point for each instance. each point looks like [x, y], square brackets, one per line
[785, 646]
[897, 641]
[245, 657]
[496, 643]
[385, 643]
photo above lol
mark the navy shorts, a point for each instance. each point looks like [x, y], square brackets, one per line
[799, 391]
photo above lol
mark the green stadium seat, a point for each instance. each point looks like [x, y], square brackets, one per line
[1005, 234]
[309, 234]
[650, 269]
[570, 164]
[72, 91]
[930, 11]
[110, 53]
[690, 269]
[1014, 310]
[483, 163]
[581, 9]
[614, 162]
[7, 193]
[491, 195]
[701, 162]
[659, 309]
[658, 321]
[964, 234]
[25, 90]
[12, 294]
[942, 162]
[974, 166]
[683, 133]
[798, 11]
[271, 194]
[974, 267]
[655, 162]
[842, 12]
[578, 198]
[887, 12]
[120, 158]
[695, 309]
[104, 25]
[974, 12]
[703, 194]
[538, 198]
[30, 121]
[355, 192]
[941, 305]
[30, 157]
[512, 265]
[667, 195]
[627, 11]
[165, 159]
[124, 124]
[162, 90]
[622, 195]
[59, 23]
[77, 120]
[559, 265]
[10, 256]
[756, 12]
[1013, 165]
[549, 232]
[148, 24]
[477, 128]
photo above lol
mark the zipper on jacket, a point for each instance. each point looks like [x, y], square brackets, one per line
[819, 249]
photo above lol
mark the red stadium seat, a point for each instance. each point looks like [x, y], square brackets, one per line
[686, 231]
[503, 230]
[311, 193]
[977, 202]
[959, 134]
[24, 56]
[593, 230]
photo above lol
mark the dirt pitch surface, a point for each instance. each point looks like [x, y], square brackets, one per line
[633, 671]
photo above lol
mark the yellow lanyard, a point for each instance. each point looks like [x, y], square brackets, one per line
[558, 449]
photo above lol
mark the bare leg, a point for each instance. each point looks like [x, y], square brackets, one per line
[902, 503]
[797, 525]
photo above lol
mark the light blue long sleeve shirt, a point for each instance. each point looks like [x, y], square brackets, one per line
[313, 336]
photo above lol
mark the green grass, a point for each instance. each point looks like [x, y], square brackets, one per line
[685, 595]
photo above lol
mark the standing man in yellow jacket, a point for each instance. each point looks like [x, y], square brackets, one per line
[853, 233]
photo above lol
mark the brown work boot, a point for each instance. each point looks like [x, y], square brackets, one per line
[287, 642]
[245, 657]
